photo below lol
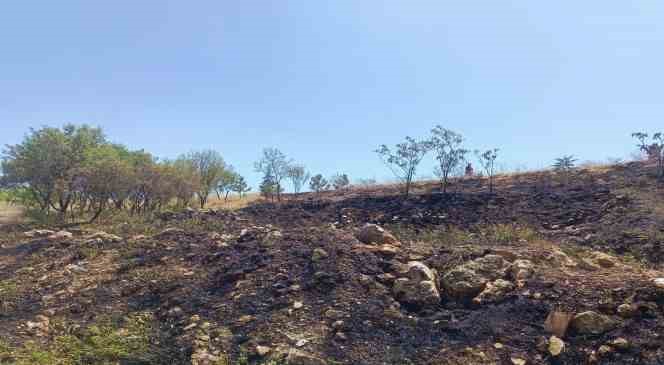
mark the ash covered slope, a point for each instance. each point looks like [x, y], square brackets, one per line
[539, 273]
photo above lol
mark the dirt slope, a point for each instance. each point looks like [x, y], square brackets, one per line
[293, 283]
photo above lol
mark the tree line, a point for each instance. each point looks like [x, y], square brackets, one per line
[276, 168]
[75, 171]
[449, 153]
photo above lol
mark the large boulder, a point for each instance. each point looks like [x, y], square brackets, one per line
[593, 323]
[466, 281]
[374, 234]
[419, 286]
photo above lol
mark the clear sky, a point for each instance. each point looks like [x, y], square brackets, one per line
[328, 81]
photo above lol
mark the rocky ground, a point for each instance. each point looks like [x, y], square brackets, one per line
[542, 272]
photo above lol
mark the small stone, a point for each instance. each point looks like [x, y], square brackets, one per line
[190, 327]
[556, 346]
[319, 254]
[263, 350]
[498, 346]
[245, 319]
[298, 305]
[337, 325]
[301, 343]
[341, 336]
[627, 310]
[604, 350]
[518, 361]
[60, 235]
[620, 344]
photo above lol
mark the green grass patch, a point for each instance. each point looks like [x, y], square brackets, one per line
[106, 343]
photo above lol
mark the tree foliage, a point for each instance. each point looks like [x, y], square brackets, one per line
[211, 168]
[404, 159]
[274, 166]
[318, 184]
[449, 153]
[298, 176]
[75, 171]
[487, 160]
[654, 149]
[340, 181]
[564, 166]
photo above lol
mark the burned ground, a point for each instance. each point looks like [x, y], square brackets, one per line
[249, 286]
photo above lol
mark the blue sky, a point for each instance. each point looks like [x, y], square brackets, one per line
[328, 81]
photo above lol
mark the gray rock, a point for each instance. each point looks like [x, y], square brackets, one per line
[374, 234]
[494, 292]
[468, 280]
[593, 323]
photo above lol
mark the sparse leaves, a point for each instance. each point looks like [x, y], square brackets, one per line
[405, 158]
[449, 153]
[654, 150]
[340, 181]
[274, 166]
[318, 184]
[298, 176]
[487, 160]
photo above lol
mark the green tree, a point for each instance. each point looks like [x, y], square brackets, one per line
[340, 181]
[449, 153]
[240, 186]
[47, 163]
[298, 176]
[564, 166]
[274, 165]
[403, 161]
[210, 167]
[654, 149]
[318, 184]
[227, 183]
[487, 160]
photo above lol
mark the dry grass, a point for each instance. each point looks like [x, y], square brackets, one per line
[10, 214]
[234, 202]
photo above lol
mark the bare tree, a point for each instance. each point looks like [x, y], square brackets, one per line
[654, 150]
[487, 160]
[298, 176]
[404, 160]
[449, 154]
[274, 164]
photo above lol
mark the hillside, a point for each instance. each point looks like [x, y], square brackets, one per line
[460, 278]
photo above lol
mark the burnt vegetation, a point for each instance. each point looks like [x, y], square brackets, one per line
[561, 266]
